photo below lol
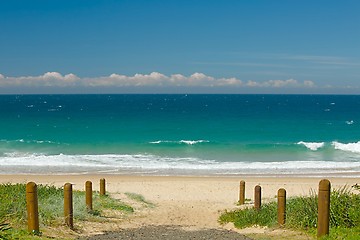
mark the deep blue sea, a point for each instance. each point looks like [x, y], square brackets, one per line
[307, 135]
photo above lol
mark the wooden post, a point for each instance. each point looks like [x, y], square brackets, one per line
[242, 193]
[88, 192]
[257, 204]
[281, 206]
[323, 208]
[102, 187]
[32, 207]
[68, 205]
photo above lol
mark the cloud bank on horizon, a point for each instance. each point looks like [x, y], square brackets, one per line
[154, 79]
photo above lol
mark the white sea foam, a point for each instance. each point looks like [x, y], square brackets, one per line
[312, 145]
[350, 122]
[349, 147]
[32, 160]
[188, 142]
[143, 163]
[28, 141]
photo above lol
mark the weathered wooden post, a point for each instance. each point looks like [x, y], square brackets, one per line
[102, 187]
[281, 206]
[32, 207]
[68, 205]
[257, 204]
[242, 192]
[88, 193]
[323, 208]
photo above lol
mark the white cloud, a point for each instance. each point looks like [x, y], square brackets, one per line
[154, 79]
[47, 79]
[252, 83]
[281, 83]
[308, 83]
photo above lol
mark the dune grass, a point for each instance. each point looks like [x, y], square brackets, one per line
[301, 214]
[13, 208]
[139, 198]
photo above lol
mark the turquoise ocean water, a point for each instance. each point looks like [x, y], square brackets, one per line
[181, 134]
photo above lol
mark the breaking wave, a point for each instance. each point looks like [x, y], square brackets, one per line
[349, 147]
[312, 145]
[187, 142]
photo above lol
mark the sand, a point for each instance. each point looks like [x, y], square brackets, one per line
[193, 203]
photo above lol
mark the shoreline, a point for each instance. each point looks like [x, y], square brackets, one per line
[200, 174]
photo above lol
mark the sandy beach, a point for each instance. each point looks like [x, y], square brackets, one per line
[193, 203]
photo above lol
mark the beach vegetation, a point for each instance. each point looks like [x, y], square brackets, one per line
[247, 200]
[139, 198]
[301, 214]
[100, 205]
[13, 214]
[4, 228]
[106, 202]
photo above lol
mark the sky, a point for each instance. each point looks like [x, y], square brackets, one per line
[180, 46]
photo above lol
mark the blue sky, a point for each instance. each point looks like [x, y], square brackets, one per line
[227, 46]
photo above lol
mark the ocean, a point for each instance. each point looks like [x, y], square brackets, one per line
[217, 135]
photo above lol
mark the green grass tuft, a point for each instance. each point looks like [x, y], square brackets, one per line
[106, 202]
[13, 215]
[139, 198]
[13, 202]
[4, 230]
[301, 214]
[250, 217]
